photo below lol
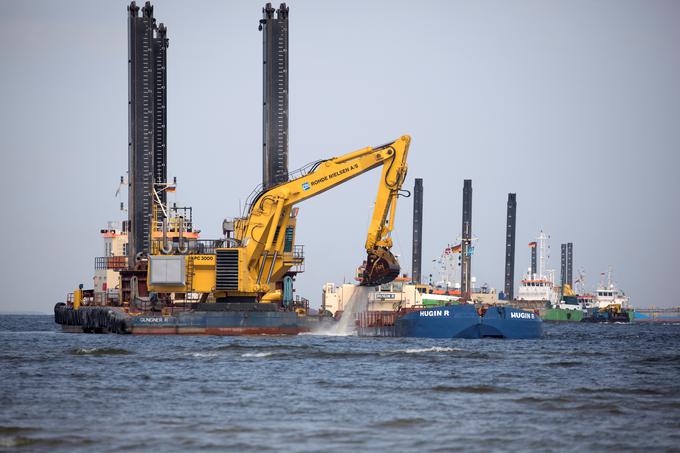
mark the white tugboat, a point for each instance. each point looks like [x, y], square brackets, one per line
[608, 294]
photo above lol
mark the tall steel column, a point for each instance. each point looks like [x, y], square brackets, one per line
[533, 271]
[160, 80]
[570, 263]
[275, 95]
[563, 265]
[510, 247]
[466, 241]
[146, 123]
[417, 231]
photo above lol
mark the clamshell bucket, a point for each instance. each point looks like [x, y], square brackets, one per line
[381, 267]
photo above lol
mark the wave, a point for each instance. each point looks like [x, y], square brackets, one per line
[257, 354]
[348, 354]
[15, 430]
[18, 441]
[203, 354]
[425, 350]
[623, 392]
[479, 389]
[565, 364]
[100, 351]
[671, 358]
[609, 408]
[238, 346]
[401, 423]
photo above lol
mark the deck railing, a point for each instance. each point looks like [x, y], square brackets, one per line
[110, 262]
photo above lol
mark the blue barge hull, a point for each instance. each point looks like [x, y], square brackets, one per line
[461, 321]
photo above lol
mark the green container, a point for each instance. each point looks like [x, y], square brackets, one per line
[436, 303]
[562, 315]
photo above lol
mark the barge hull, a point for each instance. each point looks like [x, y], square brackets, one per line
[191, 322]
[221, 331]
[456, 321]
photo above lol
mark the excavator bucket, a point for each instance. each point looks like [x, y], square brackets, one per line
[381, 267]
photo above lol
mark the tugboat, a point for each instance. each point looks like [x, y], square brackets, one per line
[610, 304]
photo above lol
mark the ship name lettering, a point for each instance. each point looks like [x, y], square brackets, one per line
[434, 313]
[521, 315]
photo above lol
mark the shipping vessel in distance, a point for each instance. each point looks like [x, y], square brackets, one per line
[558, 302]
[159, 276]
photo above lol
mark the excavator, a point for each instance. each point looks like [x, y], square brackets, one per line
[259, 249]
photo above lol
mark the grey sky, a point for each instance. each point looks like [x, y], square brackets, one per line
[574, 105]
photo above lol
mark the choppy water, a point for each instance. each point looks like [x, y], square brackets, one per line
[583, 387]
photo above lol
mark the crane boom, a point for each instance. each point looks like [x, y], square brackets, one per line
[262, 250]
[271, 212]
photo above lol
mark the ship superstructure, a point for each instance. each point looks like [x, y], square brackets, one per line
[538, 284]
[608, 294]
[390, 297]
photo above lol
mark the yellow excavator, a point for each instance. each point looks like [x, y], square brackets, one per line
[260, 247]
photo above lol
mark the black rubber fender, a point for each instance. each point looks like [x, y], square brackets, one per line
[125, 326]
[84, 318]
[59, 309]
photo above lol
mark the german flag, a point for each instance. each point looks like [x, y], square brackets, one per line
[452, 249]
[532, 245]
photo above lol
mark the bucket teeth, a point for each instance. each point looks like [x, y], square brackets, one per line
[381, 267]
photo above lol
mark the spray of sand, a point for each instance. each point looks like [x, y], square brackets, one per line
[357, 303]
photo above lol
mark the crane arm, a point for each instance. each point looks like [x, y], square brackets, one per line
[271, 212]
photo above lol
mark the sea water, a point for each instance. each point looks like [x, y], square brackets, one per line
[582, 387]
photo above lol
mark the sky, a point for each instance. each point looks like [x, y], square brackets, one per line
[573, 105]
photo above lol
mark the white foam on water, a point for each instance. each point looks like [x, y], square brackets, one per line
[432, 349]
[257, 354]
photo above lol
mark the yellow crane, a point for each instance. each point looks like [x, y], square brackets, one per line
[261, 246]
